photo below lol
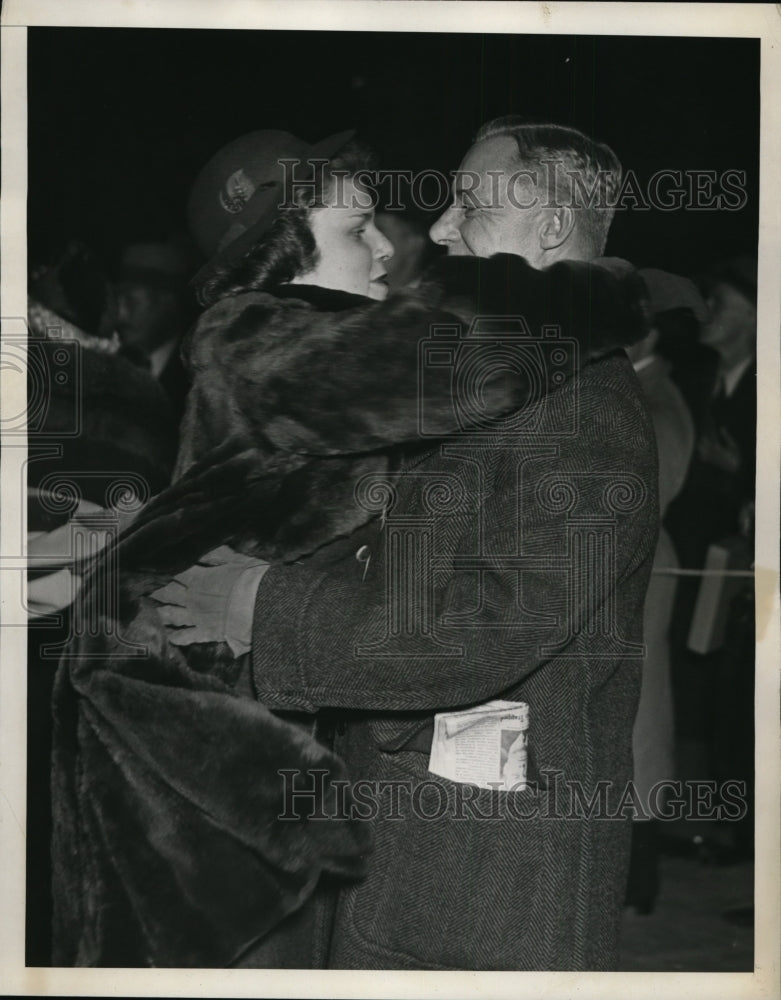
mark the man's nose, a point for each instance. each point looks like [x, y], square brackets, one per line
[445, 230]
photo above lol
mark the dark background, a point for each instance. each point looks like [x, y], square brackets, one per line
[121, 120]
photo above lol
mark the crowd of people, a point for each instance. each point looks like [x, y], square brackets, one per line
[348, 508]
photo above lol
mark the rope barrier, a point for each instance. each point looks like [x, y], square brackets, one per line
[672, 571]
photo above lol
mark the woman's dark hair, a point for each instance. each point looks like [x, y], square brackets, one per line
[288, 248]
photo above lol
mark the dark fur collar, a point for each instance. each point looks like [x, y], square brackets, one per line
[323, 299]
[288, 409]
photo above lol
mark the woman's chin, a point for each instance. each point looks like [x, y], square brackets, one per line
[378, 290]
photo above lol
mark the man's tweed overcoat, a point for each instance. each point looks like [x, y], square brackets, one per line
[523, 880]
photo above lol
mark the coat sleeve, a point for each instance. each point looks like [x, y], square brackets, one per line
[325, 383]
[319, 623]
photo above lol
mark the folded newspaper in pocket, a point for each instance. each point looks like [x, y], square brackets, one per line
[483, 746]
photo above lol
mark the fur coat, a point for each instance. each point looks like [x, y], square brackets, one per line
[167, 849]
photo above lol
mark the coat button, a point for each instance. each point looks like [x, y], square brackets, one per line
[363, 555]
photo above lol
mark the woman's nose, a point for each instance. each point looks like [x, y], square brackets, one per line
[445, 230]
[384, 249]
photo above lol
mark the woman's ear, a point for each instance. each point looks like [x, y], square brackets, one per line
[556, 227]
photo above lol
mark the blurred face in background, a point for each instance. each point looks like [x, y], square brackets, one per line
[731, 327]
[352, 250]
[412, 248]
[152, 301]
[147, 317]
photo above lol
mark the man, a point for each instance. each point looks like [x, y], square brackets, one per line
[508, 884]
[729, 444]
[715, 685]
[720, 486]
[154, 311]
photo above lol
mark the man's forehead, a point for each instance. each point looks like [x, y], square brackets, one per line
[497, 153]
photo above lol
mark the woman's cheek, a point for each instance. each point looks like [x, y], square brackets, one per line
[367, 260]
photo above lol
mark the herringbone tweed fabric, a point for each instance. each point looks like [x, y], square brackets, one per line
[531, 886]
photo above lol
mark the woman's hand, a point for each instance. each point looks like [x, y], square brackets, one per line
[213, 601]
[51, 593]
[57, 549]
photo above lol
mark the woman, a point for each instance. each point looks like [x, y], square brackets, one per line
[168, 846]
[324, 238]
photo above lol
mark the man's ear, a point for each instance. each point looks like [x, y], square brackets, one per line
[556, 227]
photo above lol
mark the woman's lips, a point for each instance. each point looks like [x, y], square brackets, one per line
[379, 287]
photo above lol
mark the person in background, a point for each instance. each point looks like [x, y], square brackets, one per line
[692, 365]
[729, 444]
[76, 288]
[413, 250]
[728, 449]
[124, 419]
[720, 485]
[654, 736]
[101, 430]
[154, 310]
[714, 689]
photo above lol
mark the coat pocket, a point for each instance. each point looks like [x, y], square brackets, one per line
[460, 876]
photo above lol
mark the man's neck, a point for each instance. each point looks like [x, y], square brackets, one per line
[570, 250]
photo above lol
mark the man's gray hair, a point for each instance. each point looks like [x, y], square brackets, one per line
[572, 168]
